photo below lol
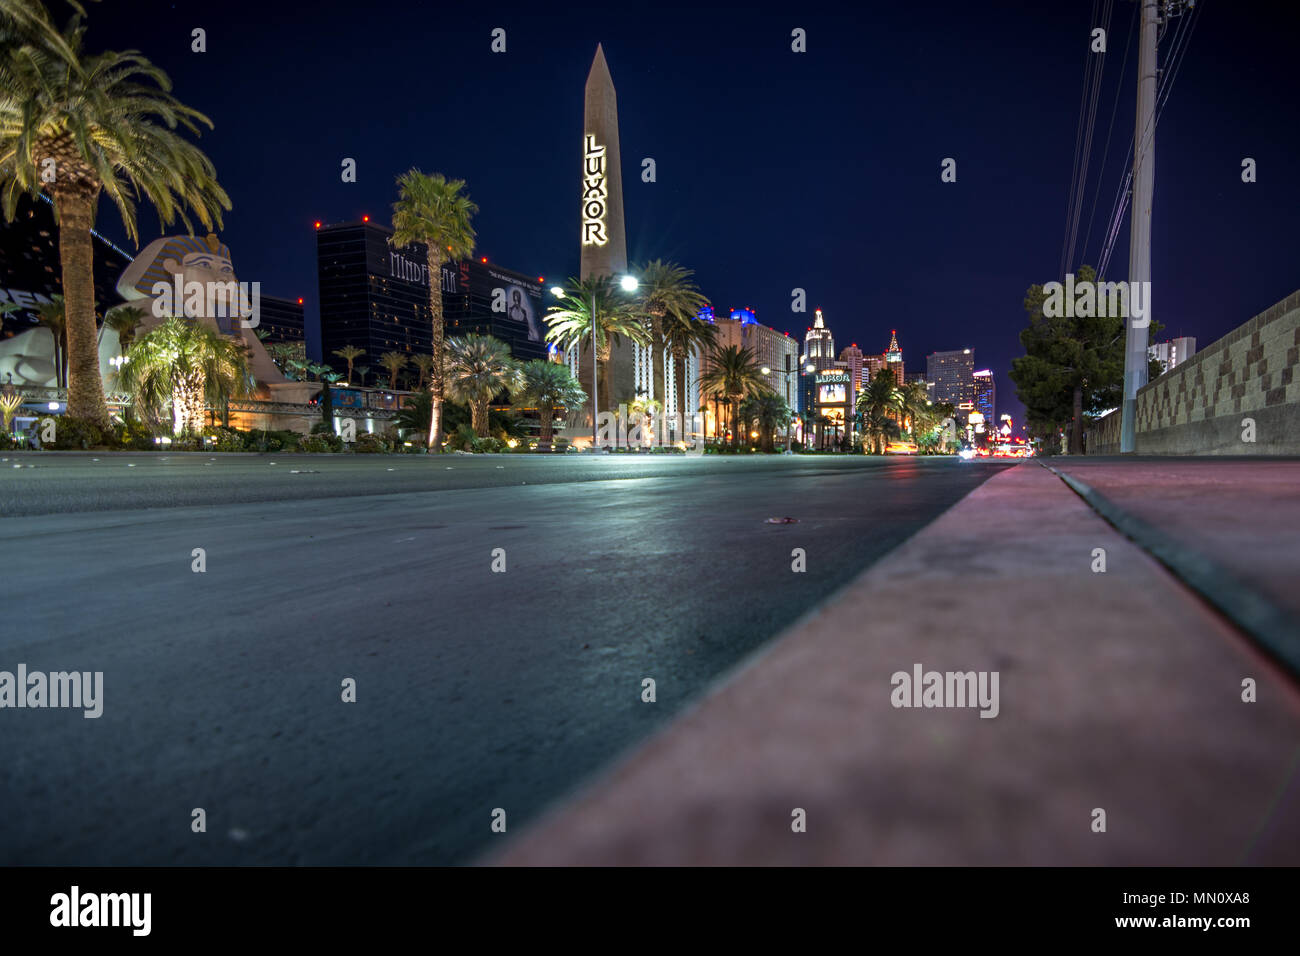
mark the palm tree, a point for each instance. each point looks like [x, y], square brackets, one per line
[685, 334]
[644, 405]
[53, 315]
[478, 368]
[362, 372]
[124, 320]
[770, 412]
[432, 210]
[735, 373]
[880, 402]
[10, 402]
[393, 363]
[185, 365]
[917, 408]
[569, 325]
[666, 289]
[349, 354]
[424, 365]
[547, 386]
[109, 123]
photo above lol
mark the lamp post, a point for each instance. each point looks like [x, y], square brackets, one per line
[629, 284]
[787, 373]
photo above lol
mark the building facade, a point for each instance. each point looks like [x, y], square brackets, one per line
[773, 350]
[280, 320]
[894, 357]
[819, 344]
[376, 298]
[951, 378]
[1170, 354]
[985, 395]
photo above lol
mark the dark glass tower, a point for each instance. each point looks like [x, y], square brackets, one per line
[376, 298]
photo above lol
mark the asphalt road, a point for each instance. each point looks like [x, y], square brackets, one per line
[475, 689]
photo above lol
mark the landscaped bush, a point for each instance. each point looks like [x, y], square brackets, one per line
[258, 440]
[371, 444]
[71, 433]
[8, 441]
[321, 443]
[488, 445]
[133, 435]
[224, 439]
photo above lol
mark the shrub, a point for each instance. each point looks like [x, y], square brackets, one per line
[133, 435]
[370, 444]
[224, 439]
[73, 433]
[321, 443]
[488, 445]
[258, 440]
[8, 441]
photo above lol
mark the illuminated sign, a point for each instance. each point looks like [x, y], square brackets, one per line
[833, 394]
[594, 193]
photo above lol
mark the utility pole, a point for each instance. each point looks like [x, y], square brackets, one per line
[1139, 248]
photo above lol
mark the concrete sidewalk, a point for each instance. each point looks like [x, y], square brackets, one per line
[1118, 691]
[1242, 513]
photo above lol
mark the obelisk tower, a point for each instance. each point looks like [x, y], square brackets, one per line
[604, 243]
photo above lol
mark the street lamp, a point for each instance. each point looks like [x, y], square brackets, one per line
[787, 373]
[628, 284]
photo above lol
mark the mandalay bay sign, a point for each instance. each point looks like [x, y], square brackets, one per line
[595, 193]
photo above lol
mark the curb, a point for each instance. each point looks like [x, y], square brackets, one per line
[1268, 625]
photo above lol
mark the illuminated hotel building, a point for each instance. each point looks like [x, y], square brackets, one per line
[894, 357]
[871, 364]
[773, 350]
[985, 394]
[950, 375]
[280, 320]
[819, 344]
[851, 358]
[1175, 351]
[376, 298]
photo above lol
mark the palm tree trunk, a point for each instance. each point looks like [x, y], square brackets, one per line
[1076, 430]
[607, 392]
[479, 412]
[548, 424]
[679, 373]
[76, 255]
[658, 379]
[437, 378]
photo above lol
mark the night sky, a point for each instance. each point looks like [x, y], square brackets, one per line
[775, 169]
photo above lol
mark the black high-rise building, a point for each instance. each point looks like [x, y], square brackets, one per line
[29, 266]
[376, 298]
[280, 320]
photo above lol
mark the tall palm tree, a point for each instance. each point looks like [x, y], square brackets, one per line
[53, 315]
[879, 403]
[424, 365]
[769, 412]
[547, 386]
[349, 354]
[124, 320]
[184, 365]
[666, 289]
[393, 363]
[569, 324]
[362, 372]
[735, 373]
[433, 211]
[478, 368]
[110, 124]
[685, 334]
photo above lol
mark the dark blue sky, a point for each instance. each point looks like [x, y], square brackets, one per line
[775, 170]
